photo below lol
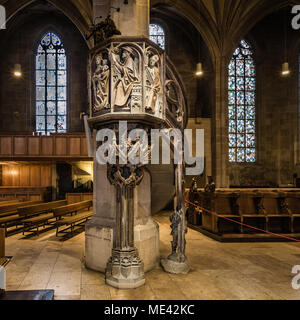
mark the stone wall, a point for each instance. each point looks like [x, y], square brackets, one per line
[277, 106]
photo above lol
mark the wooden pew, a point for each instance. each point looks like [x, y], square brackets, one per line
[224, 204]
[5, 203]
[12, 209]
[273, 205]
[292, 206]
[80, 213]
[251, 210]
[38, 215]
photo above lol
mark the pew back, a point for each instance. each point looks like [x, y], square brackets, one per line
[40, 208]
[72, 208]
[247, 203]
[15, 206]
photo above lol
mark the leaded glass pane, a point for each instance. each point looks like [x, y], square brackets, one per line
[51, 61]
[51, 123]
[40, 62]
[40, 108]
[40, 123]
[157, 35]
[232, 155]
[62, 107]
[40, 78]
[51, 78]
[40, 93]
[51, 108]
[62, 93]
[241, 109]
[51, 93]
[62, 62]
[51, 85]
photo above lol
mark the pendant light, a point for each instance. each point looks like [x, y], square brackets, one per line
[285, 66]
[17, 70]
[199, 70]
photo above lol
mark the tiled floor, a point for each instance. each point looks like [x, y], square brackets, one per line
[219, 270]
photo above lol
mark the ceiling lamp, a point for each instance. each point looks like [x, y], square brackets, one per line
[285, 69]
[199, 72]
[18, 71]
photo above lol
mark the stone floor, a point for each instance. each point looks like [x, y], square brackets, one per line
[219, 270]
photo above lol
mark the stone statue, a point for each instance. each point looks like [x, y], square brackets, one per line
[153, 82]
[127, 76]
[101, 84]
[211, 186]
[175, 221]
[194, 186]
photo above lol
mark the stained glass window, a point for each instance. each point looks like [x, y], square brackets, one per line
[241, 100]
[51, 85]
[157, 35]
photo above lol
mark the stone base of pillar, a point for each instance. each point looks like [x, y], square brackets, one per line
[172, 265]
[99, 244]
[125, 270]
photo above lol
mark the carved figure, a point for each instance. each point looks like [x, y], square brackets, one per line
[175, 221]
[194, 186]
[101, 84]
[127, 76]
[154, 82]
[211, 186]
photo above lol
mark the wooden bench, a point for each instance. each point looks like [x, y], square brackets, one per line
[5, 203]
[77, 217]
[12, 209]
[38, 215]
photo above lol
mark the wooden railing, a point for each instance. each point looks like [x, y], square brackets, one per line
[59, 146]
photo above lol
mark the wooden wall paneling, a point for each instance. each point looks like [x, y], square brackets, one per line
[84, 148]
[74, 145]
[20, 146]
[87, 196]
[61, 146]
[47, 146]
[34, 146]
[24, 176]
[6, 146]
[73, 198]
[35, 176]
[46, 176]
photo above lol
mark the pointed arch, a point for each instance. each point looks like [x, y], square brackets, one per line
[242, 105]
[51, 85]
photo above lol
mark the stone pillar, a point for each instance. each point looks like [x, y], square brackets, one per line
[101, 8]
[133, 18]
[125, 269]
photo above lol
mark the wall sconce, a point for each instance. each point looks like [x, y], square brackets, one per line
[17, 71]
[285, 69]
[199, 72]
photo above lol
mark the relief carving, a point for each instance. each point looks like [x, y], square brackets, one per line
[100, 81]
[127, 75]
[153, 85]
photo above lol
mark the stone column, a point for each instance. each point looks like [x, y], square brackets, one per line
[125, 270]
[133, 18]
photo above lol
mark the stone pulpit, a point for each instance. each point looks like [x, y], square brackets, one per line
[132, 87]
